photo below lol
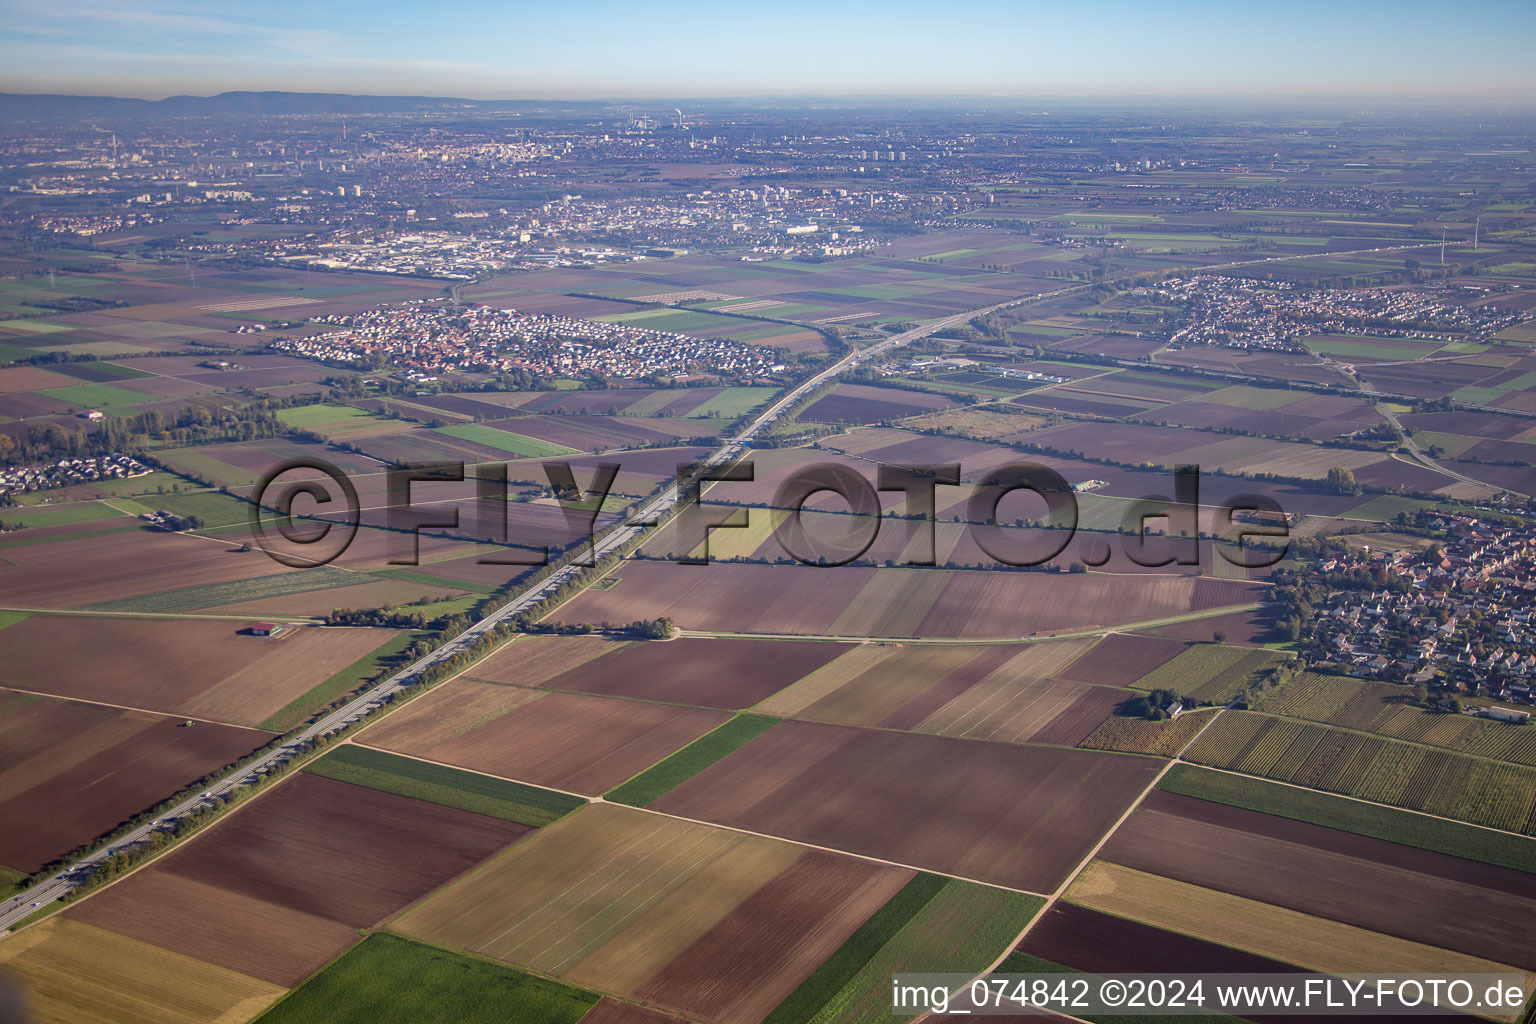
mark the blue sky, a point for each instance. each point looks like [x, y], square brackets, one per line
[596, 48]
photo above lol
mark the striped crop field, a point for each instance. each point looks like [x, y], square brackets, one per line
[1372, 768]
[1385, 709]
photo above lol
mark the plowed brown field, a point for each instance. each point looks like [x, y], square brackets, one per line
[1119, 659]
[1015, 816]
[718, 673]
[811, 600]
[569, 741]
[747, 964]
[1399, 890]
[187, 667]
[72, 771]
[340, 851]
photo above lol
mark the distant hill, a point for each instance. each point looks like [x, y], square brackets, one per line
[46, 106]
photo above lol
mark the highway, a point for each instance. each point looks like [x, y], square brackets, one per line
[57, 886]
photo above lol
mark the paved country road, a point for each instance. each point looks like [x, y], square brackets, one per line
[58, 885]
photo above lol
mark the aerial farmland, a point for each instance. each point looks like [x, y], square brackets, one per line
[605, 563]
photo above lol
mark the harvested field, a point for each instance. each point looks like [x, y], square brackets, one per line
[974, 605]
[568, 741]
[204, 669]
[1141, 736]
[1134, 443]
[670, 772]
[991, 811]
[738, 598]
[438, 784]
[617, 899]
[383, 594]
[1268, 931]
[111, 763]
[893, 686]
[940, 925]
[279, 944]
[1253, 628]
[91, 570]
[764, 948]
[338, 851]
[980, 424]
[30, 378]
[85, 975]
[863, 403]
[1382, 887]
[1020, 703]
[1120, 659]
[981, 604]
[534, 660]
[719, 673]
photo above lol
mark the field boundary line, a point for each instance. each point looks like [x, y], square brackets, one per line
[1055, 897]
[1363, 800]
[129, 707]
[84, 613]
[830, 849]
[1075, 634]
[711, 824]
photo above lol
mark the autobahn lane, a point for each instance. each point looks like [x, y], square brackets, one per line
[58, 885]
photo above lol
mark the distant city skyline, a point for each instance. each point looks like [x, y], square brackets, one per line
[603, 49]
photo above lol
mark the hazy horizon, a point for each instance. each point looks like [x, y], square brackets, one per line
[602, 50]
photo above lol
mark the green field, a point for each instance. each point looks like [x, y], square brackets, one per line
[212, 508]
[1385, 507]
[505, 441]
[842, 966]
[1420, 778]
[1362, 819]
[1352, 346]
[1024, 963]
[436, 581]
[311, 416]
[343, 682]
[673, 771]
[439, 784]
[185, 599]
[1213, 673]
[1243, 397]
[932, 924]
[390, 980]
[733, 402]
[59, 515]
[11, 618]
[1387, 710]
[95, 395]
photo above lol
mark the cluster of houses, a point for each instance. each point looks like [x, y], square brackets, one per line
[434, 339]
[1246, 314]
[1467, 620]
[49, 475]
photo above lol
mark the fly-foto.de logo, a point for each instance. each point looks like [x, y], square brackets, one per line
[1021, 515]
